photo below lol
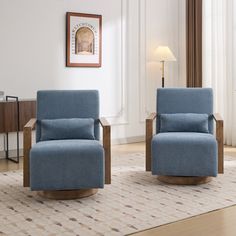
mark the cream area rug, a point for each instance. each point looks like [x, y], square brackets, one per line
[133, 202]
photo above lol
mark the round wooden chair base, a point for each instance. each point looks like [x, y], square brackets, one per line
[67, 194]
[182, 180]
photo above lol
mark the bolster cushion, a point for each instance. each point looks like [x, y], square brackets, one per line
[184, 122]
[76, 128]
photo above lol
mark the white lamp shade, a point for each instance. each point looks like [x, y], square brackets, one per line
[163, 53]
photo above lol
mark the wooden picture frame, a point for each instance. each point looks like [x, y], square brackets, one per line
[83, 40]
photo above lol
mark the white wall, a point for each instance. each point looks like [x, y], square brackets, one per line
[162, 23]
[32, 54]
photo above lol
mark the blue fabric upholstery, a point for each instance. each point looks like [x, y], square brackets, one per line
[185, 100]
[69, 163]
[75, 128]
[62, 104]
[184, 122]
[66, 164]
[184, 154]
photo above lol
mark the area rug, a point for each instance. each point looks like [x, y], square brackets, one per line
[134, 201]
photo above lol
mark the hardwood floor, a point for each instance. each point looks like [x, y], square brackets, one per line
[6, 165]
[216, 223]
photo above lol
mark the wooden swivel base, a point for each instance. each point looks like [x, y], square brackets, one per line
[182, 180]
[67, 194]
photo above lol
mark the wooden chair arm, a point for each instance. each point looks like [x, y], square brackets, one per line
[152, 116]
[107, 147]
[103, 121]
[27, 137]
[149, 134]
[220, 141]
[217, 117]
[31, 124]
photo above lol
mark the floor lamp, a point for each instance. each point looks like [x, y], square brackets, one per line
[163, 55]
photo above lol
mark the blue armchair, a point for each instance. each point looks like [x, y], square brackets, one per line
[184, 149]
[67, 160]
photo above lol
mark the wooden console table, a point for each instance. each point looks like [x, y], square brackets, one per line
[14, 114]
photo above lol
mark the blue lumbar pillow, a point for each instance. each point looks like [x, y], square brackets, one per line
[76, 128]
[184, 122]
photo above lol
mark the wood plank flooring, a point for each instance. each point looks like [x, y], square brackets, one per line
[216, 223]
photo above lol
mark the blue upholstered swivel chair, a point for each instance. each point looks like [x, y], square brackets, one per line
[67, 160]
[184, 149]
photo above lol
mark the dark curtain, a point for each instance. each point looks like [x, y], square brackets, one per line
[194, 43]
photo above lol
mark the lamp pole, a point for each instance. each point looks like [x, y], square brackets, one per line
[163, 68]
[164, 54]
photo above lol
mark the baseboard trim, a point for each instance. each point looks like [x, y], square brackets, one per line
[135, 139]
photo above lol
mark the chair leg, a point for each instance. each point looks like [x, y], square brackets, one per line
[149, 134]
[220, 140]
[107, 148]
[27, 147]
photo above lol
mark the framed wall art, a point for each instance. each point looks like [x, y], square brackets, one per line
[83, 40]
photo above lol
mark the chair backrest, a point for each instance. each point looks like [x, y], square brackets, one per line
[185, 100]
[57, 104]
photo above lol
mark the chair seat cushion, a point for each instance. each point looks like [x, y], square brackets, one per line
[184, 154]
[66, 164]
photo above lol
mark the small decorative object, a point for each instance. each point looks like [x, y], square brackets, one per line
[164, 54]
[1, 95]
[84, 35]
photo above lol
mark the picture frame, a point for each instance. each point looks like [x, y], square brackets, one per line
[83, 40]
